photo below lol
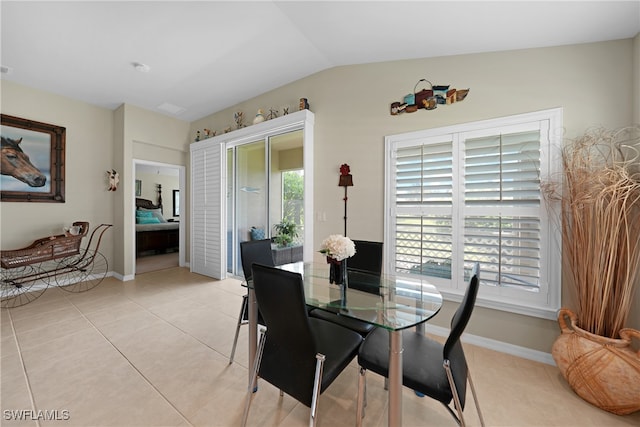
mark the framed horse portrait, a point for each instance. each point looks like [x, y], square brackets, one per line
[33, 156]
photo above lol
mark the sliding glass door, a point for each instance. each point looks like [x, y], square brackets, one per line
[247, 197]
[265, 186]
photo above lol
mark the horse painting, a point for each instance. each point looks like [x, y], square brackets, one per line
[16, 163]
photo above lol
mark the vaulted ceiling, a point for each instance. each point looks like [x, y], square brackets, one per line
[204, 56]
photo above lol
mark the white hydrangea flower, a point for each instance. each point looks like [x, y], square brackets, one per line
[338, 247]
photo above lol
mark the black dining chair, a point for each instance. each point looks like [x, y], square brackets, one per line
[254, 251]
[296, 353]
[363, 269]
[437, 370]
[368, 257]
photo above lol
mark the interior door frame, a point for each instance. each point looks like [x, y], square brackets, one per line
[182, 221]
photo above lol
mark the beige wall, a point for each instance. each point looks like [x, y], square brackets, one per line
[592, 82]
[149, 136]
[636, 79]
[97, 140]
[89, 154]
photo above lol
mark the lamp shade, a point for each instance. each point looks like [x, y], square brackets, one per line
[346, 181]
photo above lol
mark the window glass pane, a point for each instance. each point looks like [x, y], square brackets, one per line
[293, 198]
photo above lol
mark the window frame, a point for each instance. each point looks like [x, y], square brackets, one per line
[544, 303]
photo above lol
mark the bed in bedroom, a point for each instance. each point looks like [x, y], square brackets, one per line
[154, 234]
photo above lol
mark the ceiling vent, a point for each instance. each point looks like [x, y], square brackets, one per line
[170, 108]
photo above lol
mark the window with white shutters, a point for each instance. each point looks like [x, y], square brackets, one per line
[472, 193]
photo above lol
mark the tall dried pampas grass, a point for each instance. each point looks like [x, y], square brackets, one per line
[601, 225]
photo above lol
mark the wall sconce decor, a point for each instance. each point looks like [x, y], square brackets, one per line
[428, 98]
[114, 180]
[346, 180]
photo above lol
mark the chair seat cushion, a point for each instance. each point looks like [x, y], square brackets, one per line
[422, 359]
[279, 366]
[362, 328]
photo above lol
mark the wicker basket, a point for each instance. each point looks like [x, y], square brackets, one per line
[603, 371]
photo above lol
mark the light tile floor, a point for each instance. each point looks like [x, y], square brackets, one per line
[154, 352]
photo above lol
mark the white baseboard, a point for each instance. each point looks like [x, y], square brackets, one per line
[503, 347]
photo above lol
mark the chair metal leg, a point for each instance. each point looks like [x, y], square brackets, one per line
[254, 375]
[456, 399]
[362, 396]
[317, 384]
[475, 398]
[243, 307]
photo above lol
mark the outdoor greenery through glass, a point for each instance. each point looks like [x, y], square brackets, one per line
[293, 198]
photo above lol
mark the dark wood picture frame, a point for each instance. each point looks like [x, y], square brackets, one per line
[176, 202]
[35, 152]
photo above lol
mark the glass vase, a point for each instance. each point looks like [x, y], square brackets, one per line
[337, 271]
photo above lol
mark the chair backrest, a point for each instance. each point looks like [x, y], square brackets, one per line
[288, 360]
[255, 251]
[368, 257]
[365, 267]
[453, 348]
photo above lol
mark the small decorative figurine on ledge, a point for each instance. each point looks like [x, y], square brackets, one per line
[304, 104]
[272, 114]
[259, 118]
[238, 117]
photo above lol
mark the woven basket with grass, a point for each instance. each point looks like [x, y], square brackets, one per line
[601, 252]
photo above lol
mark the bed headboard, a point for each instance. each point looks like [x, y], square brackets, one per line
[148, 204]
[145, 203]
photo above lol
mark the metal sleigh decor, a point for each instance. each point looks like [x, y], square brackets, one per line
[428, 98]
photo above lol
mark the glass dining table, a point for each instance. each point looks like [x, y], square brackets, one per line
[386, 301]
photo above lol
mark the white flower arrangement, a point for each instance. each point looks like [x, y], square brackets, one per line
[338, 247]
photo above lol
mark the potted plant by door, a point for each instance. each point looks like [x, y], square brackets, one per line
[286, 233]
[601, 259]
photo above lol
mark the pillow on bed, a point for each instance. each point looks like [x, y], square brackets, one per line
[144, 214]
[151, 220]
[154, 212]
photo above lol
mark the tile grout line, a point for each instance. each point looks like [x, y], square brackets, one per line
[24, 369]
[175, 326]
[180, 329]
[130, 363]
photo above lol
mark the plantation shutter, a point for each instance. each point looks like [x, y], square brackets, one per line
[471, 193]
[206, 211]
[467, 197]
[501, 204]
[424, 202]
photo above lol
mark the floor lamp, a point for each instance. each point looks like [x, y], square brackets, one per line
[346, 180]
